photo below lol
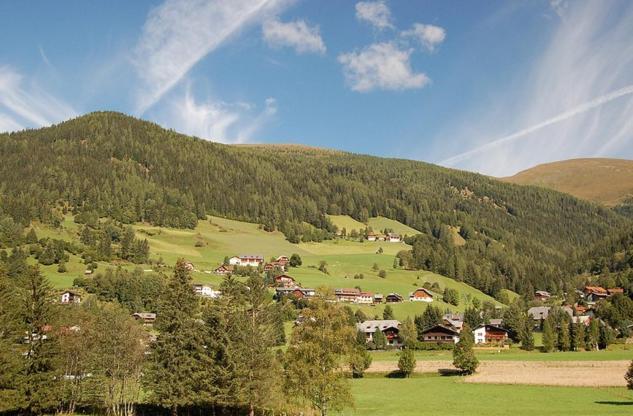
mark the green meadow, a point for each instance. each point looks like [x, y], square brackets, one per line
[451, 396]
[213, 239]
[615, 352]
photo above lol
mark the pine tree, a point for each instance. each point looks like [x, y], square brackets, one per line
[526, 335]
[463, 354]
[592, 335]
[406, 362]
[31, 237]
[380, 340]
[549, 338]
[177, 361]
[387, 313]
[564, 339]
[35, 381]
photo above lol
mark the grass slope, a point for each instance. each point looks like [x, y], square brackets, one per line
[606, 181]
[213, 239]
[438, 396]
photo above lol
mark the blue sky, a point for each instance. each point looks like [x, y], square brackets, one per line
[488, 86]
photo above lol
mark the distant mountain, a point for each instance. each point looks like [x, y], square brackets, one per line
[605, 181]
[111, 165]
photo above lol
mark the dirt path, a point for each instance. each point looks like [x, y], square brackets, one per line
[550, 373]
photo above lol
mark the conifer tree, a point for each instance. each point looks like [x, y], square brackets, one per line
[463, 354]
[592, 335]
[380, 340]
[387, 313]
[549, 338]
[31, 237]
[35, 382]
[177, 364]
[526, 335]
[564, 339]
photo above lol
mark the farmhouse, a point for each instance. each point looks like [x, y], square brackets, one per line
[539, 313]
[394, 298]
[269, 267]
[284, 280]
[542, 295]
[393, 238]
[189, 266]
[246, 260]
[346, 294]
[378, 297]
[371, 237]
[296, 292]
[282, 260]
[454, 321]
[205, 291]
[490, 334]
[147, 318]
[440, 334]
[595, 293]
[70, 297]
[389, 327]
[366, 298]
[224, 269]
[421, 295]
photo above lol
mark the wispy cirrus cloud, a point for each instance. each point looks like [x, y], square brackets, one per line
[179, 33]
[381, 66]
[23, 106]
[576, 103]
[217, 120]
[298, 35]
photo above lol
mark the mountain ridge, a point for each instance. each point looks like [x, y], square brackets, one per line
[108, 164]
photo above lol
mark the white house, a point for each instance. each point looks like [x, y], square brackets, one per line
[366, 298]
[206, 291]
[246, 260]
[393, 238]
[421, 295]
[490, 334]
[70, 297]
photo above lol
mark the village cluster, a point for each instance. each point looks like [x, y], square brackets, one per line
[448, 332]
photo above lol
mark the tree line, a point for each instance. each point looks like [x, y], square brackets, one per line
[218, 356]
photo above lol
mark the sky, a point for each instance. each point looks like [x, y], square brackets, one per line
[488, 86]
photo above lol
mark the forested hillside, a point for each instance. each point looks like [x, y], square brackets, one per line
[116, 166]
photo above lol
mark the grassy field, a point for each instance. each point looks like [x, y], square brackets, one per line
[614, 353]
[213, 239]
[606, 181]
[437, 395]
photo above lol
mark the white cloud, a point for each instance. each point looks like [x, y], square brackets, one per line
[376, 13]
[27, 106]
[179, 33]
[381, 66]
[429, 36]
[298, 35]
[559, 7]
[576, 102]
[217, 120]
